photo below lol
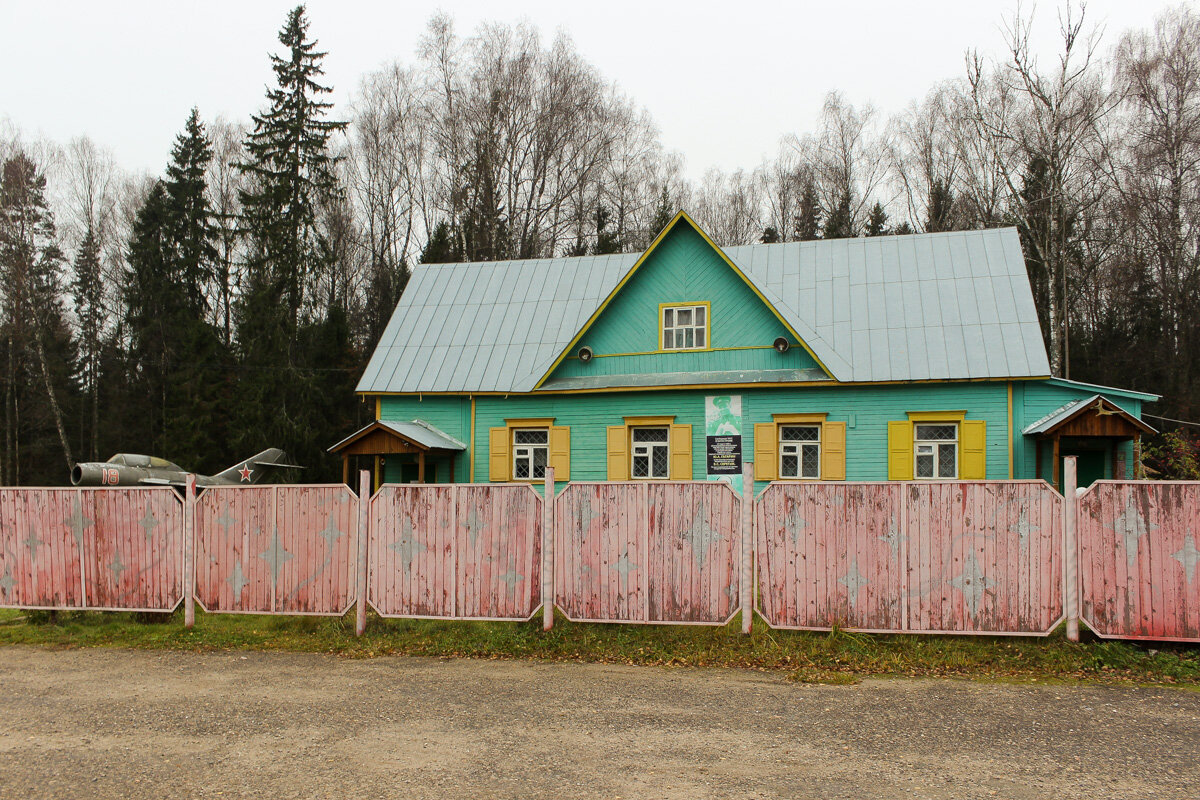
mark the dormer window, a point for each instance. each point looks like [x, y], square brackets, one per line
[684, 327]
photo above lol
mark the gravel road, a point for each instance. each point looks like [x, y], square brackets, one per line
[110, 723]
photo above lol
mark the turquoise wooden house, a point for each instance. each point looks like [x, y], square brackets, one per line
[887, 358]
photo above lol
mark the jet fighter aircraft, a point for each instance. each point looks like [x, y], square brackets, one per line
[128, 469]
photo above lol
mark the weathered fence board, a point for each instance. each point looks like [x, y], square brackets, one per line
[1138, 559]
[41, 545]
[831, 555]
[276, 549]
[134, 550]
[961, 557]
[91, 548]
[647, 552]
[455, 551]
[984, 557]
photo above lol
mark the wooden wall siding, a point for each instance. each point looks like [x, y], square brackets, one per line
[455, 552]
[984, 557]
[89, 548]
[955, 557]
[831, 554]
[134, 549]
[647, 552]
[1138, 560]
[276, 549]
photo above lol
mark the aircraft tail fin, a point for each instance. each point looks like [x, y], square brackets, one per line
[255, 468]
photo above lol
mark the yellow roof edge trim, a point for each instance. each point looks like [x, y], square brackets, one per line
[659, 420]
[680, 216]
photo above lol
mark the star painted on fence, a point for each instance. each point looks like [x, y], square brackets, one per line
[407, 547]
[893, 537]
[1023, 527]
[1189, 556]
[854, 581]
[972, 583]
[77, 522]
[148, 522]
[237, 580]
[116, 567]
[473, 525]
[331, 533]
[226, 520]
[1131, 526]
[701, 536]
[624, 566]
[793, 523]
[33, 543]
[511, 578]
[7, 582]
[275, 556]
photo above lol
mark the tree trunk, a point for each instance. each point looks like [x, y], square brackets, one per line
[53, 398]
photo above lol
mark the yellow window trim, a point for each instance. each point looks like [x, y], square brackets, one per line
[791, 419]
[707, 327]
[631, 422]
[936, 416]
[532, 422]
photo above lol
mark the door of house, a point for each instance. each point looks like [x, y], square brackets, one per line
[1089, 466]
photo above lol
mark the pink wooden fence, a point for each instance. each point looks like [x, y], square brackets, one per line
[276, 549]
[89, 548]
[455, 551]
[1138, 560]
[831, 554]
[956, 557]
[984, 557]
[647, 552]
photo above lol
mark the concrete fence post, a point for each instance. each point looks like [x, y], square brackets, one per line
[189, 552]
[1071, 548]
[364, 533]
[548, 551]
[747, 526]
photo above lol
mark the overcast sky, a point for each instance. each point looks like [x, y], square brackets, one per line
[723, 80]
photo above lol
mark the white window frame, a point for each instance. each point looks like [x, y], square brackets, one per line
[526, 452]
[646, 450]
[794, 447]
[699, 331]
[934, 449]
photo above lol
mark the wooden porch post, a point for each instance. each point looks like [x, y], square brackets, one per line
[1138, 472]
[345, 469]
[421, 466]
[1057, 484]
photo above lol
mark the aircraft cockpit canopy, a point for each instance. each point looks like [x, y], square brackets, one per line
[135, 460]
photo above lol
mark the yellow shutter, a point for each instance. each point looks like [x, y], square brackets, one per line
[499, 462]
[618, 453]
[972, 464]
[681, 452]
[833, 451]
[900, 451]
[766, 451]
[560, 452]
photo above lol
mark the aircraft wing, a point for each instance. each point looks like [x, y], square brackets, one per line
[160, 482]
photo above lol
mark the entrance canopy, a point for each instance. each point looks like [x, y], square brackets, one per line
[1095, 418]
[383, 438]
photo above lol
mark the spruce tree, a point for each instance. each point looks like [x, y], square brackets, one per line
[194, 232]
[941, 208]
[607, 241]
[838, 224]
[808, 217]
[38, 343]
[876, 221]
[290, 169]
[663, 214]
[87, 290]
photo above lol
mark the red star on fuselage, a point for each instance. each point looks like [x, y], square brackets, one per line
[245, 472]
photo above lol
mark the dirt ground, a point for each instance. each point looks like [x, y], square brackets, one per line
[109, 723]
